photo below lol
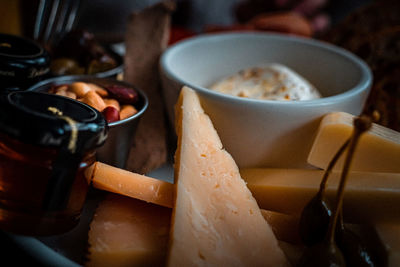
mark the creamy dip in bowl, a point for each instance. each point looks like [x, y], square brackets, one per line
[269, 82]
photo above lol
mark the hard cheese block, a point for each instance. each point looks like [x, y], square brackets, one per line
[128, 232]
[215, 221]
[116, 180]
[377, 151]
[368, 196]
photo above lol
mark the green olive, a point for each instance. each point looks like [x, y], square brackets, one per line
[96, 66]
[62, 66]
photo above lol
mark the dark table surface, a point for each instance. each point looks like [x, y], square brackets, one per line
[13, 255]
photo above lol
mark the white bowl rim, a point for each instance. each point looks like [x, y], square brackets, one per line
[364, 83]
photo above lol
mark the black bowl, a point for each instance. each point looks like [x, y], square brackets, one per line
[111, 73]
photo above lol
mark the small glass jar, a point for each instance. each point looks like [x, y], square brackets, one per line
[23, 62]
[45, 146]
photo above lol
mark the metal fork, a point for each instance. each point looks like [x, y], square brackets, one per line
[54, 18]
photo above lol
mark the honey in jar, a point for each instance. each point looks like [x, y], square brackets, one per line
[46, 142]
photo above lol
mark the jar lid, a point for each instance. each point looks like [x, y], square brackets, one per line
[51, 120]
[23, 62]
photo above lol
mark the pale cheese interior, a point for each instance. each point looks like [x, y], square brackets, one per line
[128, 232]
[378, 150]
[216, 221]
[369, 197]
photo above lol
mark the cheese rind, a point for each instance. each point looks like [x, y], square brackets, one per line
[368, 197]
[378, 150]
[215, 221]
[128, 232]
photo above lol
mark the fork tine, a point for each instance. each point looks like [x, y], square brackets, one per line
[61, 19]
[50, 23]
[39, 19]
[72, 16]
[60, 15]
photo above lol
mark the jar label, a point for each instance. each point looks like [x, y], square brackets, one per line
[38, 72]
[7, 73]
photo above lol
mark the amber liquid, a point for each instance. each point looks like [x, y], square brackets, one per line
[25, 171]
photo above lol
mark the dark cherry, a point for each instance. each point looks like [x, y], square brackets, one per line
[317, 213]
[360, 245]
[314, 220]
[322, 254]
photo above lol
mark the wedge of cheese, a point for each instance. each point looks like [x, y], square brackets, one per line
[128, 232]
[215, 220]
[372, 197]
[377, 151]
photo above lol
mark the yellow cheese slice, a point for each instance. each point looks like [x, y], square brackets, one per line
[123, 182]
[128, 232]
[378, 149]
[368, 197]
[215, 220]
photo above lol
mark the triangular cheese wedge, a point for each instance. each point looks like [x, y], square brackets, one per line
[216, 220]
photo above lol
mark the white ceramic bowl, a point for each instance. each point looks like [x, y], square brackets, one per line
[261, 132]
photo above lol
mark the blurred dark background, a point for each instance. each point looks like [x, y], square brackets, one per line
[107, 19]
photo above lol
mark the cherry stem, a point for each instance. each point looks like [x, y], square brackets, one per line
[361, 125]
[341, 222]
[332, 164]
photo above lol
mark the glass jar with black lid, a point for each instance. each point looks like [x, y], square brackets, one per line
[46, 143]
[23, 62]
